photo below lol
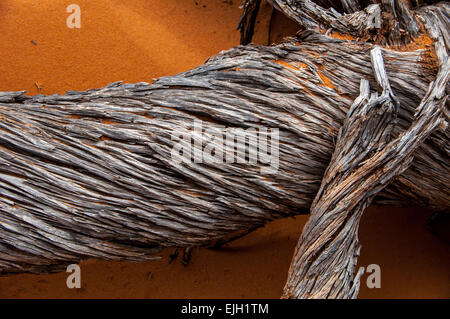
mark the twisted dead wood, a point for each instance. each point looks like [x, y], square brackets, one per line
[362, 165]
[388, 22]
[90, 175]
[326, 255]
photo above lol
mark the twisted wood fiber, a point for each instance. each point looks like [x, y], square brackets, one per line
[89, 174]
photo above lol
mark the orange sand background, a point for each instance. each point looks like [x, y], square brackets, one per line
[138, 40]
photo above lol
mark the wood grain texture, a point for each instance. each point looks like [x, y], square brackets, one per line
[363, 163]
[89, 174]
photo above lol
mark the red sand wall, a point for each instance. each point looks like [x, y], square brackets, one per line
[138, 40]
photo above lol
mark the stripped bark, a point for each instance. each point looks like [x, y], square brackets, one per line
[388, 22]
[90, 174]
[361, 166]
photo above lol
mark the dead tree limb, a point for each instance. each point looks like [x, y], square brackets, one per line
[362, 165]
[246, 24]
[90, 174]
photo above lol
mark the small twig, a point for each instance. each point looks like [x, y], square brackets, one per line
[173, 255]
[38, 86]
[247, 20]
[187, 255]
[269, 31]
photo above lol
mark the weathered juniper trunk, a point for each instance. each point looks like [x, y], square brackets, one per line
[365, 159]
[90, 174]
[361, 166]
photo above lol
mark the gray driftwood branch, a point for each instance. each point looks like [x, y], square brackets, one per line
[361, 166]
[90, 174]
[363, 162]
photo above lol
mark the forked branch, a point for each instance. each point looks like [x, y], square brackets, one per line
[362, 164]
